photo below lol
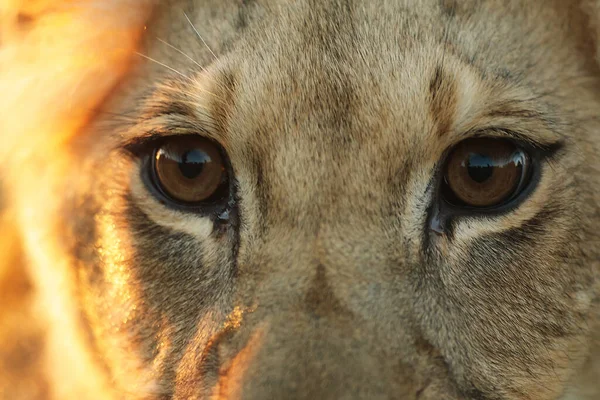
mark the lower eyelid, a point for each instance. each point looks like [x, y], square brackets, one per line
[200, 226]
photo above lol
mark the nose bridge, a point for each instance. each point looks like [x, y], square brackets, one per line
[318, 288]
[315, 326]
[322, 265]
[332, 271]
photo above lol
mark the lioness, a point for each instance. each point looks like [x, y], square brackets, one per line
[300, 199]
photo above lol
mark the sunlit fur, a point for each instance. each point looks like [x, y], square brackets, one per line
[327, 282]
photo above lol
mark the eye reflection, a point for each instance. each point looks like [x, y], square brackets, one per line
[480, 167]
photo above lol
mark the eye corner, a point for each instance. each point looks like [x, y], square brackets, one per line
[549, 150]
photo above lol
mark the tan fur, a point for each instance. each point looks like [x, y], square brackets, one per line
[327, 282]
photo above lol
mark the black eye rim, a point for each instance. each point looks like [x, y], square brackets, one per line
[442, 213]
[217, 205]
[527, 173]
[215, 198]
[529, 179]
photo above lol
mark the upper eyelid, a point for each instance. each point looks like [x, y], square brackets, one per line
[514, 111]
[547, 147]
[525, 138]
[163, 127]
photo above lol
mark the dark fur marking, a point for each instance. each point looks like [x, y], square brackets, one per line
[243, 14]
[222, 106]
[506, 75]
[516, 239]
[174, 261]
[504, 110]
[476, 394]
[530, 231]
[519, 239]
[448, 8]
[210, 359]
[235, 224]
[320, 299]
[334, 95]
[83, 229]
[171, 99]
[442, 100]
[81, 237]
[168, 108]
[143, 226]
[467, 390]
[262, 186]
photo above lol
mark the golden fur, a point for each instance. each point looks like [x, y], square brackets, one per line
[326, 283]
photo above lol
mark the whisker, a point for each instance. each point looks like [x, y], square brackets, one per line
[162, 65]
[200, 36]
[182, 53]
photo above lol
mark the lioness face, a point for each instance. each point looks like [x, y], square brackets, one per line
[338, 199]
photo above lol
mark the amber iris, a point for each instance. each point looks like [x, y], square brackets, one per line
[485, 172]
[190, 169]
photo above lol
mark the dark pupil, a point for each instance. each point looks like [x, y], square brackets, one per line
[192, 163]
[480, 167]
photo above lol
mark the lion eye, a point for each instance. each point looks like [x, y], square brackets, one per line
[190, 170]
[485, 173]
